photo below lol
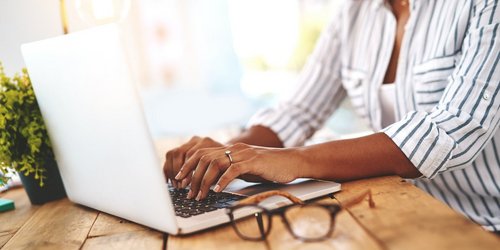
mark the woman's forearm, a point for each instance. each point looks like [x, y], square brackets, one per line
[369, 156]
[258, 136]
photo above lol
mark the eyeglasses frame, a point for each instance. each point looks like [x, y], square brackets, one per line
[332, 208]
[253, 201]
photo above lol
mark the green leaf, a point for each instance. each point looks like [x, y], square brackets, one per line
[24, 143]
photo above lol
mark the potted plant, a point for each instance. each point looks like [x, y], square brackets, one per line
[24, 143]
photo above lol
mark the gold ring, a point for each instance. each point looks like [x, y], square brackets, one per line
[228, 154]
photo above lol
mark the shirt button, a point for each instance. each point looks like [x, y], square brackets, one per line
[486, 96]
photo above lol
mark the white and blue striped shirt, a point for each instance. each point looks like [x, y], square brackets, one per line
[447, 84]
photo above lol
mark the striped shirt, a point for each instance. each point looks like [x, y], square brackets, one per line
[447, 84]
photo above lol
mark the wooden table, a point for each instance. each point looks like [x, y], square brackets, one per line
[404, 218]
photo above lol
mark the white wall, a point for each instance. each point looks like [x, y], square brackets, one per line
[24, 21]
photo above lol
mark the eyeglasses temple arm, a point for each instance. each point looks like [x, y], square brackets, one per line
[359, 199]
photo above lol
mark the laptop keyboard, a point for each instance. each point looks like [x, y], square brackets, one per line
[185, 207]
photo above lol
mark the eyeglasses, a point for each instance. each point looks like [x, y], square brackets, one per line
[306, 222]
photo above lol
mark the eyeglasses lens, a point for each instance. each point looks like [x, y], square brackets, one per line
[252, 226]
[310, 221]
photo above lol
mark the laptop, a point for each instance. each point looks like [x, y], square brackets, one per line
[101, 141]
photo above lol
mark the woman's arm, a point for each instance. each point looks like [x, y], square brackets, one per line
[368, 156]
[373, 155]
[258, 136]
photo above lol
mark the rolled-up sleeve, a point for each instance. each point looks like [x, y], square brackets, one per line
[318, 93]
[467, 116]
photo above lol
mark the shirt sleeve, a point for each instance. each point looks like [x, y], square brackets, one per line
[317, 94]
[467, 116]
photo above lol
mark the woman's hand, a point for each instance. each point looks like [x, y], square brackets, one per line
[176, 157]
[212, 165]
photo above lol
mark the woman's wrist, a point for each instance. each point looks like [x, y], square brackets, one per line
[301, 166]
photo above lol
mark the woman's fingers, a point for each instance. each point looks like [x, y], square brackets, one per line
[217, 161]
[175, 159]
[192, 162]
[167, 166]
[230, 174]
[193, 155]
[214, 170]
[185, 182]
[201, 168]
[212, 166]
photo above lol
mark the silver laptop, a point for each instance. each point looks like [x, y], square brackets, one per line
[104, 150]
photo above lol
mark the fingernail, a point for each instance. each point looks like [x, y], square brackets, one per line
[178, 176]
[184, 183]
[198, 197]
[217, 188]
[190, 193]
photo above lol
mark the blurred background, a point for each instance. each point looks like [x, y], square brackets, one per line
[201, 65]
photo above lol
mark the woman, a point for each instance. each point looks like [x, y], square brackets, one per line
[424, 73]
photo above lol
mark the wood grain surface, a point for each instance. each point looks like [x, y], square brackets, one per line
[11, 221]
[404, 217]
[56, 225]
